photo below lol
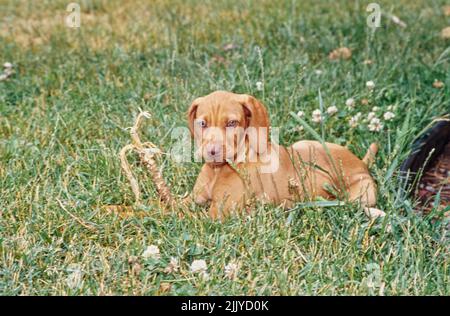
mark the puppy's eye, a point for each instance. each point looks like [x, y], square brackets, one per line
[232, 123]
[201, 123]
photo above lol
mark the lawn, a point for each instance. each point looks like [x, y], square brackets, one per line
[66, 110]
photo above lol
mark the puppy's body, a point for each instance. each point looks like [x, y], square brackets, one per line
[304, 171]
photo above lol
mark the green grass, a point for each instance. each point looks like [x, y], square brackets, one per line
[64, 116]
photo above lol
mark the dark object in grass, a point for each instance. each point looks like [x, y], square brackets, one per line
[428, 165]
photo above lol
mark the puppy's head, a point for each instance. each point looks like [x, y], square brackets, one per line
[223, 122]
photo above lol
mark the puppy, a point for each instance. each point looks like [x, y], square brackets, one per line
[231, 132]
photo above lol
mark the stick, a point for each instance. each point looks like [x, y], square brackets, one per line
[146, 152]
[127, 170]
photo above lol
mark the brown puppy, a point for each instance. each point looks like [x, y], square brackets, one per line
[231, 131]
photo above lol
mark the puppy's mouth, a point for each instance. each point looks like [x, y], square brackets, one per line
[216, 160]
[216, 164]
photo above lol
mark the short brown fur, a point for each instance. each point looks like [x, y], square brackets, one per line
[307, 169]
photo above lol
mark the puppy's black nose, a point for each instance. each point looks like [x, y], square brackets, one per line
[213, 150]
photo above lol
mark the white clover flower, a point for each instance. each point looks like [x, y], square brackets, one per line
[375, 109]
[318, 72]
[388, 116]
[152, 251]
[75, 278]
[375, 125]
[172, 266]
[437, 83]
[3, 77]
[199, 266]
[231, 270]
[370, 84]
[7, 65]
[354, 120]
[204, 276]
[350, 102]
[370, 116]
[300, 113]
[259, 86]
[317, 116]
[332, 110]
[316, 112]
[9, 71]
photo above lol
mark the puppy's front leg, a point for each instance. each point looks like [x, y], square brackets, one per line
[228, 195]
[202, 192]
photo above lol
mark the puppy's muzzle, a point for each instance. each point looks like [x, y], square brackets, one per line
[213, 152]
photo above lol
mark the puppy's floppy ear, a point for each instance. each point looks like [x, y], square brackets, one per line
[255, 111]
[192, 113]
[255, 115]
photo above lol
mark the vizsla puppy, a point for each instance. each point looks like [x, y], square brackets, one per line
[242, 164]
